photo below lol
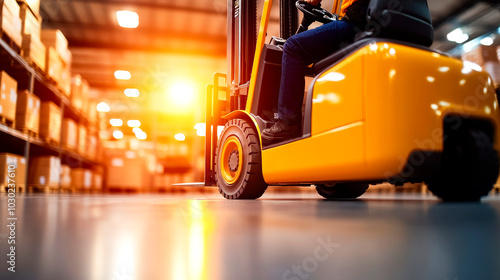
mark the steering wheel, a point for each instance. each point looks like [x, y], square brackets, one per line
[315, 13]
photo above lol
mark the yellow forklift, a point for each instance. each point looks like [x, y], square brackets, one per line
[385, 108]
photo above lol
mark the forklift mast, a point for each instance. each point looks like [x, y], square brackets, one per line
[242, 40]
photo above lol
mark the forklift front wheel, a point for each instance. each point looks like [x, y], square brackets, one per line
[238, 166]
[341, 190]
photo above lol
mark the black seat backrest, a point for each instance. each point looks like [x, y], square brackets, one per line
[405, 20]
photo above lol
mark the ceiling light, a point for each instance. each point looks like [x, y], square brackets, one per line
[118, 134]
[137, 130]
[200, 129]
[487, 41]
[127, 19]
[116, 122]
[132, 92]
[122, 75]
[134, 123]
[180, 137]
[457, 36]
[103, 107]
[141, 135]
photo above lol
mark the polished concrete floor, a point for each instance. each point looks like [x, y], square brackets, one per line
[281, 236]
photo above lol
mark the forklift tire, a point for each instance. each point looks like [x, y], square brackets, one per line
[342, 190]
[238, 163]
[470, 167]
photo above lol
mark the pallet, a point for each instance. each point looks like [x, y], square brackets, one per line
[7, 122]
[43, 189]
[35, 66]
[50, 141]
[29, 132]
[6, 38]
[19, 189]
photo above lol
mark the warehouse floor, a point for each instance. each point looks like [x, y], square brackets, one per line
[281, 236]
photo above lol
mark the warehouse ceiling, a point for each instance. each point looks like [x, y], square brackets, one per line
[188, 38]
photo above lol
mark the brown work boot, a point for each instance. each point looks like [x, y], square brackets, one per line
[280, 131]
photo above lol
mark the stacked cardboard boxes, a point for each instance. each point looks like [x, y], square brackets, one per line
[10, 163]
[82, 140]
[81, 179]
[69, 134]
[27, 112]
[45, 172]
[50, 122]
[8, 97]
[480, 55]
[33, 48]
[58, 56]
[65, 177]
[493, 68]
[33, 5]
[10, 22]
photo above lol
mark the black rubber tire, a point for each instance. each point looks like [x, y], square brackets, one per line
[470, 167]
[250, 184]
[342, 190]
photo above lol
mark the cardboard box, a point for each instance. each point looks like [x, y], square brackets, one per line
[10, 21]
[53, 65]
[55, 38]
[76, 92]
[10, 163]
[65, 177]
[480, 55]
[82, 141]
[81, 178]
[65, 83]
[34, 51]
[27, 112]
[8, 96]
[34, 6]
[30, 24]
[493, 68]
[50, 122]
[97, 182]
[69, 134]
[45, 172]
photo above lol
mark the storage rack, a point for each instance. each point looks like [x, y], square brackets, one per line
[17, 142]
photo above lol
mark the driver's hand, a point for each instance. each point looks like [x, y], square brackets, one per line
[313, 2]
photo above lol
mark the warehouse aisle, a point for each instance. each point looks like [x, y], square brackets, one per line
[282, 236]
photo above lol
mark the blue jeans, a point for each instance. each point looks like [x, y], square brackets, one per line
[300, 51]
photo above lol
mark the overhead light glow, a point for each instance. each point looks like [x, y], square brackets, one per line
[180, 137]
[118, 134]
[141, 135]
[116, 122]
[134, 123]
[487, 41]
[132, 92]
[122, 75]
[182, 93]
[103, 107]
[127, 19]
[137, 130]
[200, 129]
[457, 36]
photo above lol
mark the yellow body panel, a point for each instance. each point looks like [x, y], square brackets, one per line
[388, 100]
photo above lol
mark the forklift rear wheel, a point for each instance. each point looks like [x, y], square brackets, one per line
[342, 190]
[238, 166]
[470, 167]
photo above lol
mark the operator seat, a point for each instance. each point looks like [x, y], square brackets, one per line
[406, 21]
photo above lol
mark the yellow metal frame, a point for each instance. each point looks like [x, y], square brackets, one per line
[258, 50]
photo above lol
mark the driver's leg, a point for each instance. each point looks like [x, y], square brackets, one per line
[299, 51]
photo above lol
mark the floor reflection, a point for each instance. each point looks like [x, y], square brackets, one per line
[173, 237]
